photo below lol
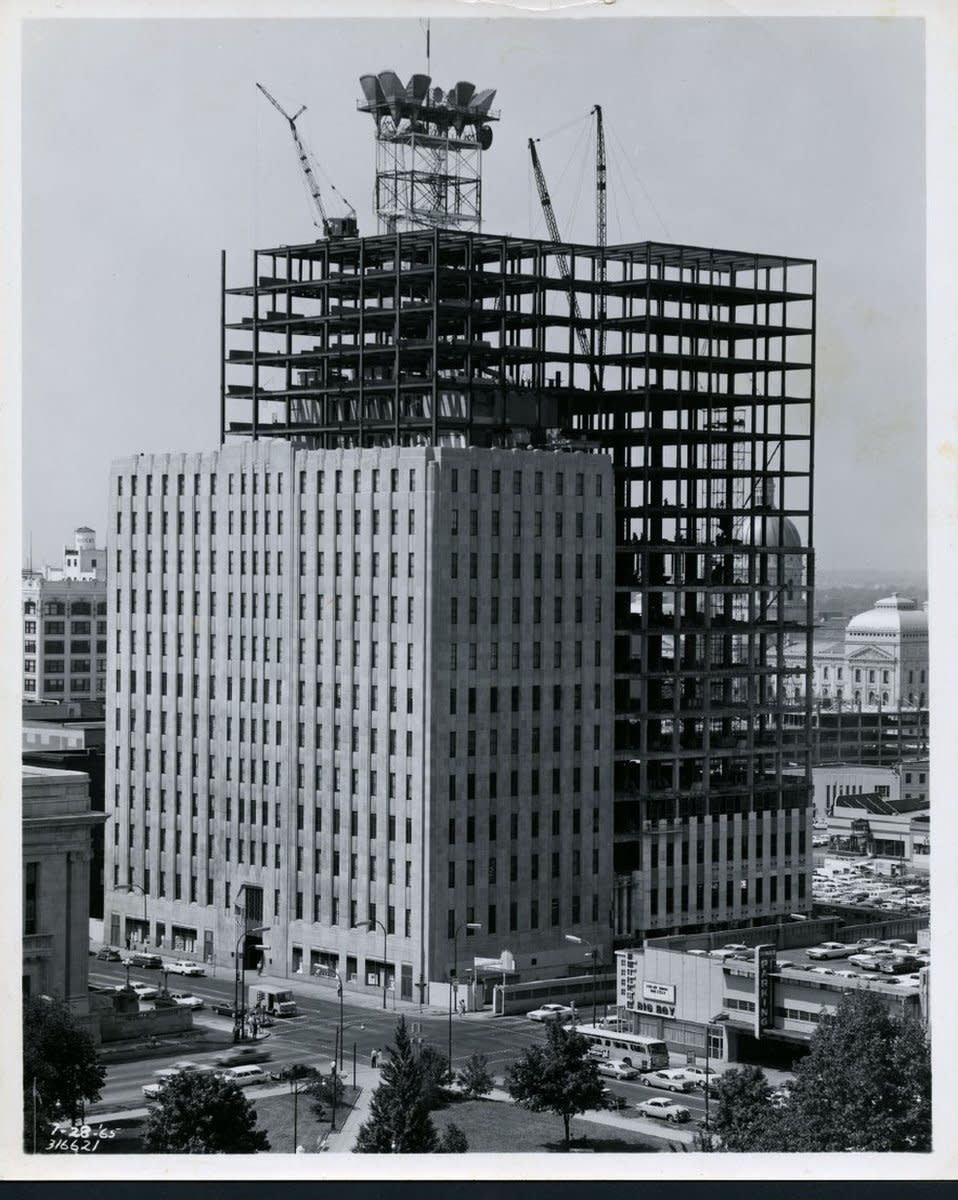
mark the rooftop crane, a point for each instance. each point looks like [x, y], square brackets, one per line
[600, 225]
[337, 226]
[561, 258]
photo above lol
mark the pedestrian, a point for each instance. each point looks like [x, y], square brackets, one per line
[373, 1058]
[462, 1008]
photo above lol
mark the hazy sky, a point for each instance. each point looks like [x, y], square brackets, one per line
[147, 148]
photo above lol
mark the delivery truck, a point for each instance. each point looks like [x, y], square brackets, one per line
[271, 1001]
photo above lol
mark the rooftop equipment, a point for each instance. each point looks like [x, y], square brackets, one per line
[429, 146]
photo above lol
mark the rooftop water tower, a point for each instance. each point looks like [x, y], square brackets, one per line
[429, 146]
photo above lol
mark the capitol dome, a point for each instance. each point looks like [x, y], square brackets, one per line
[895, 616]
[770, 530]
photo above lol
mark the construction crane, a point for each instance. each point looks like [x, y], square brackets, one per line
[600, 225]
[331, 227]
[549, 213]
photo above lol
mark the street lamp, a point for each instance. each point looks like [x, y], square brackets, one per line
[338, 1051]
[455, 971]
[369, 925]
[135, 887]
[593, 952]
[239, 998]
[339, 993]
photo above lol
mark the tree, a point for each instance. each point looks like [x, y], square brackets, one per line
[61, 1070]
[199, 1113]
[475, 1078]
[326, 1091]
[398, 1112]
[558, 1077]
[865, 1085]
[741, 1112]
[436, 1075]
[454, 1141]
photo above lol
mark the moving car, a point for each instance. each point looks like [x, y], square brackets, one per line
[551, 1012]
[165, 1074]
[225, 1009]
[616, 1069]
[664, 1110]
[241, 1056]
[139, 958]
[109, 954]
[183, 966]
[185, 1000]
[144, 991]
[830, 950]
[672, 1079]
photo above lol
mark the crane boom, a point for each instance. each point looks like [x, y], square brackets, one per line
[549, 213]
[600, 224]
[303, 158]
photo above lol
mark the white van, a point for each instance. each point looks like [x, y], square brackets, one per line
[246, 1076]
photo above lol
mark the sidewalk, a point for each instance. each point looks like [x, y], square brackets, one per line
[321, 989]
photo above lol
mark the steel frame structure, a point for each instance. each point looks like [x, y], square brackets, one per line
[707, 411]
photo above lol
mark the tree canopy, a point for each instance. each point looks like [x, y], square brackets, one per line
[741, 1107]
[864, 1085]
[558, 1077]
[398, 1121]
[199, 1113]
[61, 1069]
[475, 1078]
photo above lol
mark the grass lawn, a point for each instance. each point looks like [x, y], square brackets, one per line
[493, 1126]
[275, 1115]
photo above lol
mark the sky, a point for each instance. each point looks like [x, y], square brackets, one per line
[147, 148]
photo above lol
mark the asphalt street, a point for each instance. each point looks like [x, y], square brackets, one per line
[310, 1038]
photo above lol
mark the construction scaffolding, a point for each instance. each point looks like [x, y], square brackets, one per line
[707, 359]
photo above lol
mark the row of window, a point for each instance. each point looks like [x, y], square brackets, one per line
[470, 517]
[533, 873]
[57, 666]
[574, 911]
[517, 477]
[82, 684]
[60, 608]
[656, 859]
[733, 888]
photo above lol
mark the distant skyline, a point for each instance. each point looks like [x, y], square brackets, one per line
[147, 148]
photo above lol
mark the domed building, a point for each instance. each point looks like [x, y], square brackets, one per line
[882, 664]
[886, 655]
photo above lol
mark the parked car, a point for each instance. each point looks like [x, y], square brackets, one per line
[241, 1056]
[672, 1079]
[616, 1069]
[109, 954]
[830, 950]
[664, 1110]
[822, 971]
[183, 966]
[612, 1100]
[698, 1075]
[904, 964]
[736, 947]
[144, 991]
[872, 958]
[296, 1071]
[551, 1012]
[245, 1076]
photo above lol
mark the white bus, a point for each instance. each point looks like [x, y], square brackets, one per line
[643, 1053]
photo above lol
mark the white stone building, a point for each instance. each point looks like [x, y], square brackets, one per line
[354, 686]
